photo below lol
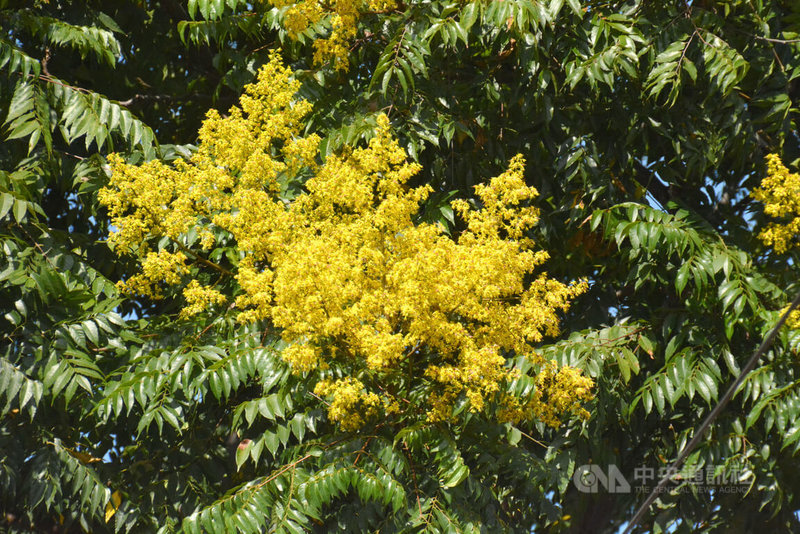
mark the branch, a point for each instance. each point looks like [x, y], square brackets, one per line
[648, 180]
[202, 260]
[44, 62]
[138, 97]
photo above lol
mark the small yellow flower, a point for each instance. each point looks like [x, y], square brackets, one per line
[199, 298]
[351, 405]
[342, 16]
[162, 267]
[780, 194]
[302, 356]
[793, 320]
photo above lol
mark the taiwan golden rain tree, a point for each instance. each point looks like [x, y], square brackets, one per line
[406, 334]
[180, 398]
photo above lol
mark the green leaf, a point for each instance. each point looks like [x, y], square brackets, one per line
[455, 476]
[791, 436]
[703, 384]
[575, 6]
[20, 209]
[6, 202]
[90, 330]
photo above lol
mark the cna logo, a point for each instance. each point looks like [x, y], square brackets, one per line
[590, 478]
[725, 478]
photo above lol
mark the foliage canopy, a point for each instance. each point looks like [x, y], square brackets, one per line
[187, 398]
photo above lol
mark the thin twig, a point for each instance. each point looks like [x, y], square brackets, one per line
[532, 438]
[37, 245]
[318, 398]
[202, 260]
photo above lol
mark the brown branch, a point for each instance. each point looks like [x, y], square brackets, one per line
[50, 79]
[318, 397]
[45, 60]
[202, 260]
[362, 451]
[536, 441]
[138, 97]
[413, 477]
[37, 245]
[771, 40]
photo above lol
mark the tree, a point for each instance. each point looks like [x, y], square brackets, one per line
[644, 129]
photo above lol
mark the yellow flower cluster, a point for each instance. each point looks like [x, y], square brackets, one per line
[559, 390]
[352, 405]
[199, 298]
[237, 164]
[343, 18]
[793, 320]
[357, 289]
[158, 269]
[569, 387]
[780, 194]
